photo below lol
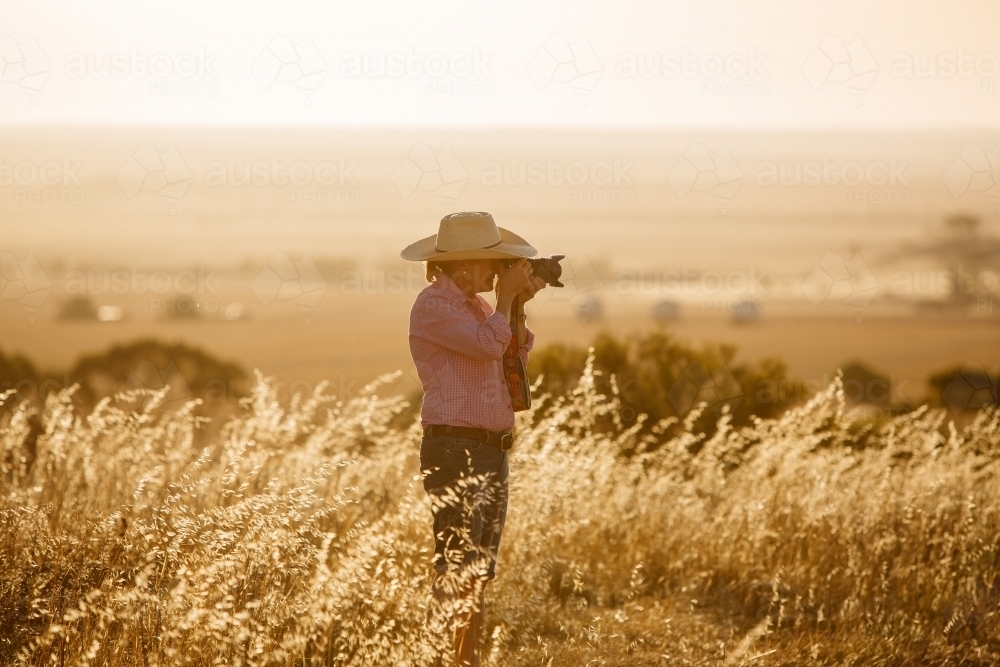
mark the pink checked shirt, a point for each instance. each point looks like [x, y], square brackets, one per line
[457, 345]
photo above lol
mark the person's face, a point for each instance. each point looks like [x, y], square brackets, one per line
[477, 275]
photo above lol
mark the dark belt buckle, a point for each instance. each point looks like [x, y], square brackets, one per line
[506, 441]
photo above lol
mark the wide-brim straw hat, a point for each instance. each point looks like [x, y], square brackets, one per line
[468, 235]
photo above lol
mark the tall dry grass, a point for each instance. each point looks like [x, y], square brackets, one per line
[301, 535]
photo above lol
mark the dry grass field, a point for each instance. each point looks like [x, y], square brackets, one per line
[300, 535]
[296, 532]
[765, 419]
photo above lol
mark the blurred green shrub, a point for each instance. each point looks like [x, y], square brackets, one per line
[966, 388]
[657, 375]
[143, 364]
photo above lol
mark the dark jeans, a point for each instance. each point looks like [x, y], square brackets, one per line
[467, 482]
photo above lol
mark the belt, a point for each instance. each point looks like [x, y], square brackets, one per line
[503, 440]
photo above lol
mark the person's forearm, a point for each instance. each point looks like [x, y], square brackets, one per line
[504, 302]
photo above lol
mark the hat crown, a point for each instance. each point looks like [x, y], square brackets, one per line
[468, 230]
[468, 235]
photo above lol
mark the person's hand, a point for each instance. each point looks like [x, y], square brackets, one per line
[534, 284]
[514, 280]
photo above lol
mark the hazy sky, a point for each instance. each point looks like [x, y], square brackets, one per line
[895, 64]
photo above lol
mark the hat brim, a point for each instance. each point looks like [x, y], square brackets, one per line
[511, 246]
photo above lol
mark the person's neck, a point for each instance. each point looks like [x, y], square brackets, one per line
[465, 291]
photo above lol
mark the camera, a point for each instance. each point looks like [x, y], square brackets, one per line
[546, 268]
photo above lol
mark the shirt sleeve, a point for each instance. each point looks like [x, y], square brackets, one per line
[452, 327]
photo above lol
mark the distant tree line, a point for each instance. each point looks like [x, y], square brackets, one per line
[654, 374]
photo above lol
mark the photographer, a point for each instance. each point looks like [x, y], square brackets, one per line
[457, 342]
